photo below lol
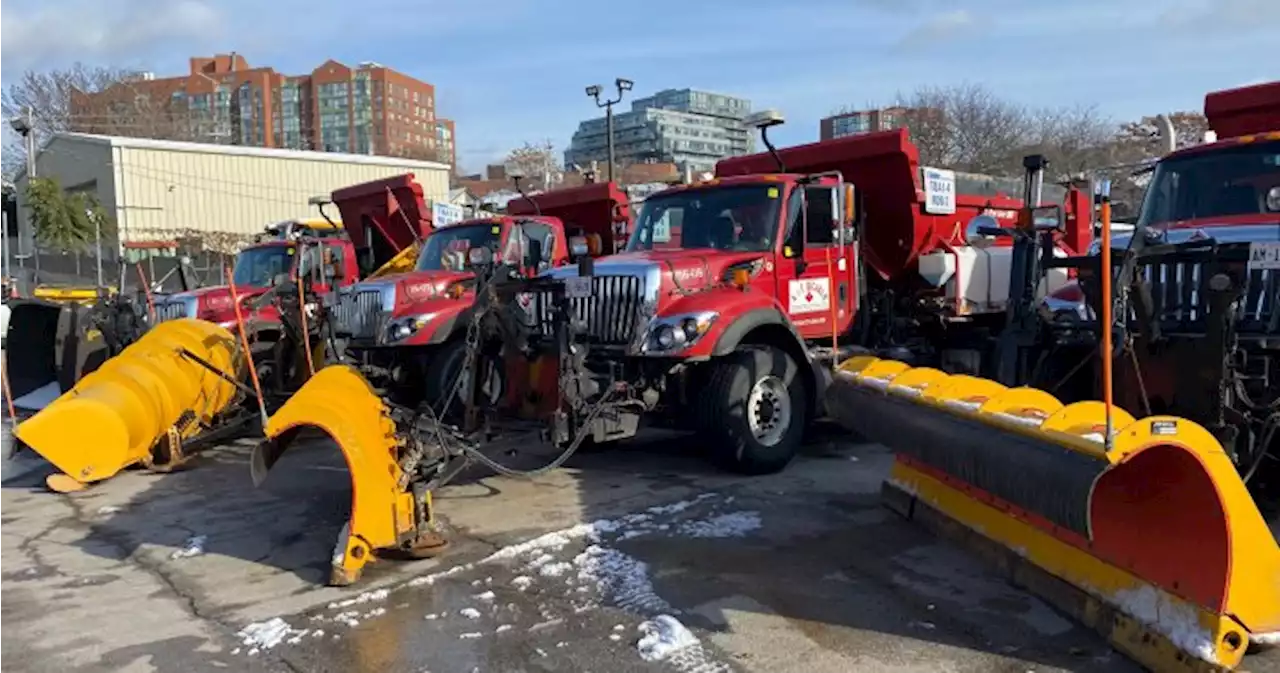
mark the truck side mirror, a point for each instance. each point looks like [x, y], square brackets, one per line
[1047, 218]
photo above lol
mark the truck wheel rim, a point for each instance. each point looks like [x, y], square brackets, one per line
[769, 410]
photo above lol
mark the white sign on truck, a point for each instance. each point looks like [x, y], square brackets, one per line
[939, 191]
[445, 214]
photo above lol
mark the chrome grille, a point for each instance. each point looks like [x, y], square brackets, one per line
[359, 313]
[611, 315]
[176, 308]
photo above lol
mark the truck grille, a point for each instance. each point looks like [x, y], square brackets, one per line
[1180, 296]
[610, 316]
[359, 314]
[171, 310]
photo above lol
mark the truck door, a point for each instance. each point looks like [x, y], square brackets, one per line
[814, 282]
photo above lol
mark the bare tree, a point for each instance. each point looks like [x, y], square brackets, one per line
[538, 163]
[966, 127]
[89, 99]
[1075, 139]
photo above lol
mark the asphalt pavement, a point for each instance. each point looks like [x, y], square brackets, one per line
[641, 558]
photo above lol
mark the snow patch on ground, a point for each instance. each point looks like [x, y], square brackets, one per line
[109, 509]
[268, 634]
[736, 524]
[1266, 639]
[599, 572]
[1172, 618]
[665, 639]
[624, 577]
[193, 547]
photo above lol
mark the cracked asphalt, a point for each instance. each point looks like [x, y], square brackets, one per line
[801, 571]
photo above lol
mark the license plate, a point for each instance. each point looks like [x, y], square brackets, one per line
[1264, 256]
[577, 287]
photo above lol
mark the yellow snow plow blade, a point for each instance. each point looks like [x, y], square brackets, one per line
[150, 396]
[1156, 544]
[385, 514]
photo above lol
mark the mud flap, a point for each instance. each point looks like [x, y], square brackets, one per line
[340, 403]
[48, 349]
[1156, 543]
[114, 416]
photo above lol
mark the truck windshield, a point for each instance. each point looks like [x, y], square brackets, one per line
[1213, 183]
[735, 217]
[258, 267]
[446, 249]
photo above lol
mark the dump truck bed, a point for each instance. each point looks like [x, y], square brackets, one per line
[801, 571]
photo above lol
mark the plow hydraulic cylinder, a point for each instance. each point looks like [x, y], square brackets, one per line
[1154, 543]
[148, 394]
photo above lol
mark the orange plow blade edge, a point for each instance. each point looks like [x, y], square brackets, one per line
[138, 406]
[1156, 544]
[386, 513]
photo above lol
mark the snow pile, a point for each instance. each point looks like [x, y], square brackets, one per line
[664, 638]
[470, 613]
[194, 547]
[1170, 617]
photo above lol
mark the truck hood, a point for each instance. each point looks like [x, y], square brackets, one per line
[403, 291]
[1255, 228]
[677, 271]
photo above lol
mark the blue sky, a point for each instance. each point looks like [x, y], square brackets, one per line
[510, 71]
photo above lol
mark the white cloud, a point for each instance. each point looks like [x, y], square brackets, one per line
[55, 33]
[940, 28]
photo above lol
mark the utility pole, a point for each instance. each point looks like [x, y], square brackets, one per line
[593, 92]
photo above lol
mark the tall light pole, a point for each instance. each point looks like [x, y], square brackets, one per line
[25, 127]
[593, 91]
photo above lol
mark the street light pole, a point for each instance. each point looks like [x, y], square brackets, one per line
[25, 126]
[593, 91]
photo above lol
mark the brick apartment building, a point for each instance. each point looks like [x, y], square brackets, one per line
[368, 109]
[857, 122]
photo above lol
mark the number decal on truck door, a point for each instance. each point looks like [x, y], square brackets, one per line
[809, 295]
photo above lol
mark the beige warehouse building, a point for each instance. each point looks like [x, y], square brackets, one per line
[156, 189]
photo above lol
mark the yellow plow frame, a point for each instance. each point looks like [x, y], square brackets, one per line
[138, 406]
[1156, 543]
[387, 515]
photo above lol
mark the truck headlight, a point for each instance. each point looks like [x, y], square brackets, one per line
[403, 328]
[672, 333]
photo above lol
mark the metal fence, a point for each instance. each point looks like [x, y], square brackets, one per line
[44, 267]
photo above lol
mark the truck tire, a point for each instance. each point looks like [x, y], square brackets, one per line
[441, 373]
[753, 410]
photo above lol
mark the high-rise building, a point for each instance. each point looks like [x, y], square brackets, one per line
[686, 127]
[366, 109]
[857, 122]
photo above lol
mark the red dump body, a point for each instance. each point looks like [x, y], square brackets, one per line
[1244, 111]
[885, 167]
[600, 208]
[388, 215]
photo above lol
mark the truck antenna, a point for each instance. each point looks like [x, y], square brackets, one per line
[763, 120]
